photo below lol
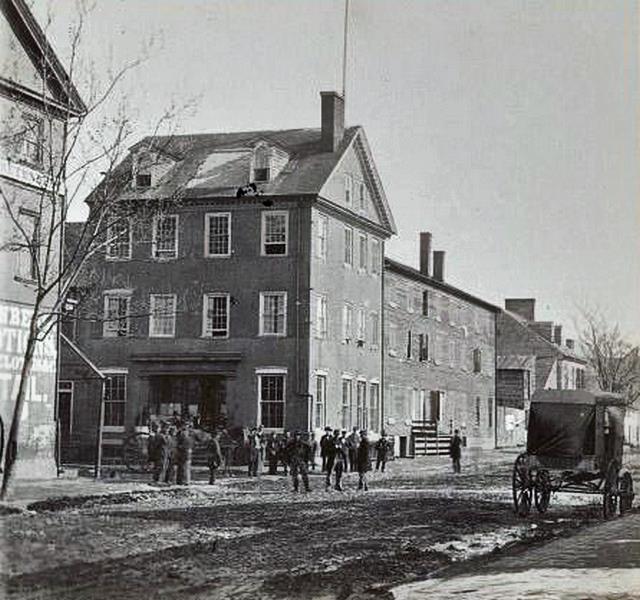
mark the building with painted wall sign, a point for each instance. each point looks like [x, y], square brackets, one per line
[36, 99]
[254, 299]
[439, 359]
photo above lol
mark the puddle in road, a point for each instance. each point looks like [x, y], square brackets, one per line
[533, 584]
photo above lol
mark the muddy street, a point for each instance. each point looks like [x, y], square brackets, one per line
[244, 538]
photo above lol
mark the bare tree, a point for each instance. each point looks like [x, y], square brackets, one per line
[75, 150]
[614, 360]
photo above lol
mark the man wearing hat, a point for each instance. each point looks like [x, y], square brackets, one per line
[298, 454]
[325, 440]
[363, 461]
[336, 459]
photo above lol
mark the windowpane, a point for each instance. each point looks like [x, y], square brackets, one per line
[274, 313]
[165, 237]
[217, 315]
[361, 404]
[321, 391]
[119, 239]
[347, 321]
[348, 246]
[477, 361]
[321, 237]
[321, 316]
[374, 406]
[272, 401]
[116, 316]
[30, 147]
[348, 189]
[375, 257]
[375, 325]
[28, 250]
[275, 233]
[363, 253]
[163, 315]
[347, 391]
[218, 234]
[115, 399]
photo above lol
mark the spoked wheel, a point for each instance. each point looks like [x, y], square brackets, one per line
[136, 453]
[542, 491]
[521, 482]
[610, 492]
[625, 487]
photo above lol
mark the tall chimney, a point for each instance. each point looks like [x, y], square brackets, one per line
[425, 253]
[523, 307]
[438, 265]
[332, 120]
[557, 335]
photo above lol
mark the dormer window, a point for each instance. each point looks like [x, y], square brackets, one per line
[143, 180]
[261, 174]
[267, 162]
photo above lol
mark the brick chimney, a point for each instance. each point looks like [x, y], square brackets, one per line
[523, 307]
[438, 265]
[332, 120]
[425, 253]
[557, 335]
[543, 328]
[570, 343]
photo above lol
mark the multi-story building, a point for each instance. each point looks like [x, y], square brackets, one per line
[439, 359]
[256, 298]
[531, 355]
[36, 100]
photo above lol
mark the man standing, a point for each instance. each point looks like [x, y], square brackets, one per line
[325, 440]
[337, 460]
[255, 452]
[298, 452]
[282, 451]
[313, 450]
[214, 455]
[363, 461]
[271, 450]
[353, 441]
[382, 449]
[153, 450]
[171, 455]
[455, 450]
[184, 451]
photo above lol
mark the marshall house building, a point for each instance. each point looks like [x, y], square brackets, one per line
[264, 297]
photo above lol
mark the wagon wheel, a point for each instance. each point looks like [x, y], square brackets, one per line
[135, 452]
[542, 490]
[610, 492]
[625, 486]
[521, 482]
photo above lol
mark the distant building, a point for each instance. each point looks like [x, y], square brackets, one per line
[36, 100]
[531, 355]
[255, 299]
[439, 359]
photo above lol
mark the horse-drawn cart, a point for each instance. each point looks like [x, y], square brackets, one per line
[574, 444]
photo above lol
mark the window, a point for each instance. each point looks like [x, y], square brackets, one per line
[363, 196]
[216, 315]
[392, 339]
[273, 313]
[28, 246]
[321, 237]
[347, 400]
[423, 343]
[477, 360]
[409, 344]
[115, 397]
[165, 236]
[361, 404]
[478, 408]
[375, 329]
[321, 316]
[31, 140]
[348, 246]
[403, 299]
[119, 239]
[162, 320]
[364, 256]
[275, 229]
[374, 406]
[116, 315]
[272, 400]
[217, 234]
[490, 412]
[348, 189]
[362, 324]
[375, 257]
[425, 303]
[143, 180]
[261, 163]
[319, 419]
[347, 322]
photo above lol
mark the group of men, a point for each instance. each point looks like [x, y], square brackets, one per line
[170, 451]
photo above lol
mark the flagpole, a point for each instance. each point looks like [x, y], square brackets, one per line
[344, 53]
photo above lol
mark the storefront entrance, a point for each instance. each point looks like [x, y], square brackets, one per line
[201, 396]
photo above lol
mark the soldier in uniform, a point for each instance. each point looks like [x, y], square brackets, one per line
[325, 440]
[298, 452]
[382, 448]
[363, 461]
[214, 455]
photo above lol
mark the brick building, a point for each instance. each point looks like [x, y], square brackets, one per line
[439, 371]
[36, 101]
[531, 355]
[255, 299]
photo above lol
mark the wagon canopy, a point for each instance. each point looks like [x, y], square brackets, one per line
[563, 423]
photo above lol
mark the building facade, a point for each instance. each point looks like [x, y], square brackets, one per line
[531, 355]
[36, 101]
[439, 359]
[253, 299]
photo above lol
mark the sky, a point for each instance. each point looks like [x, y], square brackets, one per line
[507, 128]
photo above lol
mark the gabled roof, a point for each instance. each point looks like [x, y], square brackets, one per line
[34, 41]
[416, 275]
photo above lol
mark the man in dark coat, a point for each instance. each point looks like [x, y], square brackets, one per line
[184, 451]
[214, 455]
[325, 440]
[353, 441]
[382, 449]
[271, 450]
[363, 461]
[455, 451]
[283, 457]
[298, 453]
[336, 460]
